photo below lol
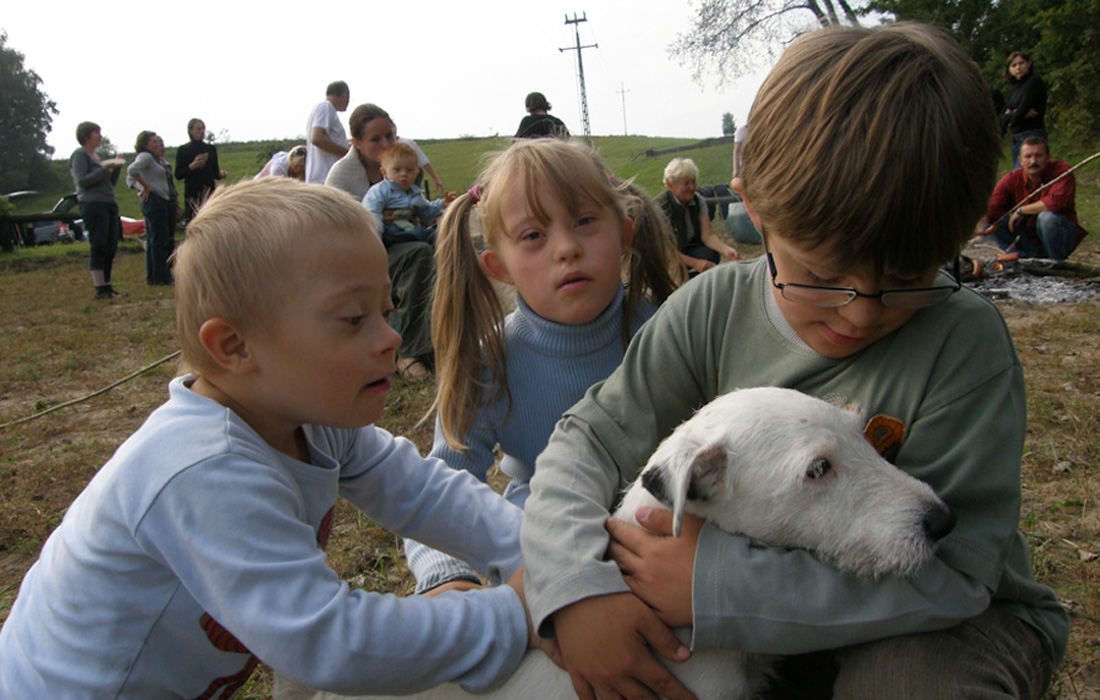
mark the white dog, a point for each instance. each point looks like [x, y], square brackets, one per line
[784, 469]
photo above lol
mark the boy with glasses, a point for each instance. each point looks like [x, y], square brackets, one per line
[871, 156]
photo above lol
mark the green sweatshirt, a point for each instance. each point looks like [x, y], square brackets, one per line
[950, 375]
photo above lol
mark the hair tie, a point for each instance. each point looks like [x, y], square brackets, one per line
[475, 193]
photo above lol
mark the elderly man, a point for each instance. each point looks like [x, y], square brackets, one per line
[326, 140]
[1046, 225]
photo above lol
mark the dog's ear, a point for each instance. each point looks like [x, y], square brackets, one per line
[696, 480]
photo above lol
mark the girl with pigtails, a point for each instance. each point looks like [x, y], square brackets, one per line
[590, 259]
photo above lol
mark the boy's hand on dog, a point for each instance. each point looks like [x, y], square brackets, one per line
[658, 567]
[606, 643]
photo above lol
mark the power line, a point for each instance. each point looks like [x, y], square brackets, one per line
[622, 91]
[580, 68]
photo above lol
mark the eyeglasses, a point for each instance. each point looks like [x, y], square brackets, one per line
[830, 297]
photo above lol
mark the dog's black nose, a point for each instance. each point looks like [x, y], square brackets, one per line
[938, 522]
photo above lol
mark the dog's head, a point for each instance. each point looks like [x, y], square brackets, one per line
[790, 470]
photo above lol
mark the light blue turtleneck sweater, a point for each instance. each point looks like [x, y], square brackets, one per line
[549, 367]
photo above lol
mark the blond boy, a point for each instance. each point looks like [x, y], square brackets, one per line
[198, 548]
[398, 204]
[872, 153]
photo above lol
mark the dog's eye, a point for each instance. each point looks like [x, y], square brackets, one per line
[819, 468]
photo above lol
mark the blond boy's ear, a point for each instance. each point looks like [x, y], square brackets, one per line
[739, 188]
[226, 346]
[495, 268]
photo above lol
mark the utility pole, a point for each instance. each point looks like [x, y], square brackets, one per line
[580, 68]
[622, 91]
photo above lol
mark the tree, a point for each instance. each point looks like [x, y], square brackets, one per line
[730, 34]
[1061, 36]
[26, 115]
[222, 136]
[984, 29]
[106, 149]
[1068, 54]
[729, 125]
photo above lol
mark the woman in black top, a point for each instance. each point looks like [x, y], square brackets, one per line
[538, 123]
[1026, 104]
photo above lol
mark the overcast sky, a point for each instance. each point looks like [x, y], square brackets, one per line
[442, 69]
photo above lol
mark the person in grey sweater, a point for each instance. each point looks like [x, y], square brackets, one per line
[95, 193]
[151, 175]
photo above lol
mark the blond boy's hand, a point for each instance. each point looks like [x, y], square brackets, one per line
[606, 645]
[534, 641]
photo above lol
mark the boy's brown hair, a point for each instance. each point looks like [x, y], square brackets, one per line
[399, 151]
[241, 249]
[877, 144]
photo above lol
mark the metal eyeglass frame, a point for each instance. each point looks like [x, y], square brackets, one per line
[886, 297]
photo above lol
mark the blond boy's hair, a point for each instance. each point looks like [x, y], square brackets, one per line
[399, 151]
[878, 144]
[241, 250]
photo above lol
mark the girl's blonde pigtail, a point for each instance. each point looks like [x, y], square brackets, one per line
[467, 326]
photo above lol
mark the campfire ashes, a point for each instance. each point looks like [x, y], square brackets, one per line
[1032, 280]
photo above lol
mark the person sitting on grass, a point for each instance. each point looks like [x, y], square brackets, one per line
[198, 549]
[290, 164]
[848, 304]
[1045, 226]
[700, 248]
[539, 123]
[398, 204]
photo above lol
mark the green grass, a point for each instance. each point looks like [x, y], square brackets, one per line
[456, 161]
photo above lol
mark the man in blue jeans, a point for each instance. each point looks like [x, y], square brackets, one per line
[1046, 225]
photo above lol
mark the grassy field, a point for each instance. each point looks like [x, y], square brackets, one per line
[457, 162]
[60, 346]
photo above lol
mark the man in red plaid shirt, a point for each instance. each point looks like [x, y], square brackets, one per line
[1046, 225]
